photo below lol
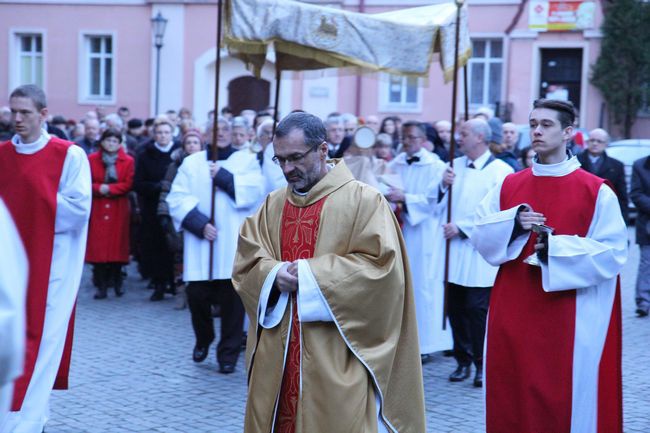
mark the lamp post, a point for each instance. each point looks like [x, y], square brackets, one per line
[158, 23]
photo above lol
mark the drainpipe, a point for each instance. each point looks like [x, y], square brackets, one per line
[357, 109]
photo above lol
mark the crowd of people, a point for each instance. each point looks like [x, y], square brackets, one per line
[161, 196]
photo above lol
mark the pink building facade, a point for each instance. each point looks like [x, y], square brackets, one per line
[99, 52]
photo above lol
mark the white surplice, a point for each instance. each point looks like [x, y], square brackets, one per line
[13, 290]
[192, 187]
[73, 200]
[589, 265]
[425, 245]
[272, 172]
[466, 266]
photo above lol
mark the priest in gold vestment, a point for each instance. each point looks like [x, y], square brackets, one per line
[322, 271]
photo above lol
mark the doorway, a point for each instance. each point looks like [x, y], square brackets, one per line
[561, 74]
[248, 93]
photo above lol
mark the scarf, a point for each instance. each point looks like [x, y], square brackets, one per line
[109, 162]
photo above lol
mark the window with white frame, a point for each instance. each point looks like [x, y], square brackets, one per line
[400, 93]
[30, 59]
[485, 72]
[98, 68]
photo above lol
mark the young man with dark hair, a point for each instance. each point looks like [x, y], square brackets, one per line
[45, 184]
[553, 348]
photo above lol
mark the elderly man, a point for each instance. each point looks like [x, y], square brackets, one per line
[91, 133]
[510, 137]
[553, 347]
[272, 173]
[372, 122]
[596, 161]
[350, 123]
[45, 184]
[239, 189]
[420, 172]
[323, 275]
[470, 276]
[335, 128]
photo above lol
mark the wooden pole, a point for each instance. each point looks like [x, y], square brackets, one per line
[214, 148]
[452, 147]
[466, 89]
[276, 115]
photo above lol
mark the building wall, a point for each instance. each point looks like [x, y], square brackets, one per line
[62, 26]
[187, 60]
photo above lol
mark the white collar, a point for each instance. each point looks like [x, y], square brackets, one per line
[31, 148]
[480, 162]
[164, 149]
[563, 168]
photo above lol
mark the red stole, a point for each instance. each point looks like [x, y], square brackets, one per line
[299, 233]
[529, 362]
[28, 185]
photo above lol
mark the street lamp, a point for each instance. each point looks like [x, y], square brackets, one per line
[158, 23]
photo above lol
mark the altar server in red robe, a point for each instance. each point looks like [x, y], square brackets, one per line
[45, 183]
[553, 351]
[13, 290]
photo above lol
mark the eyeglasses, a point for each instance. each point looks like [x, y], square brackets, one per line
[296, 157]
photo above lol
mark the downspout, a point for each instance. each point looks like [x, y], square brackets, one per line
[357, 108]
[509, 30]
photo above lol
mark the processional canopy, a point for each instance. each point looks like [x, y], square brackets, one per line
[307, 36]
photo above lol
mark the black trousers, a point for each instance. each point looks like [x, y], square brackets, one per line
[201, 295]
[468, 307]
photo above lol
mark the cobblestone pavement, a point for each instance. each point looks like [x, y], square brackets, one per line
[132, 372]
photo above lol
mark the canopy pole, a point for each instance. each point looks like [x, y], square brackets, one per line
[452, 147]
[466, 88]
[213, 146]
[276, 115]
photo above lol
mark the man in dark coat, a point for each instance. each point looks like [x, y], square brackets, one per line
[640, 195]
[596, 161]
[151, 166]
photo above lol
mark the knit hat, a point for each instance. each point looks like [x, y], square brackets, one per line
[192, 133]
[496, 126]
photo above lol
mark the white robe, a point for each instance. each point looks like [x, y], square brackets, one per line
[13, 290]
[273, 176]
[425, 246]
[590, 264]
[73, 200]
[192, 186]
[466, 266]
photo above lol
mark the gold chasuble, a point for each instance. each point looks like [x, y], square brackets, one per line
[369, 352]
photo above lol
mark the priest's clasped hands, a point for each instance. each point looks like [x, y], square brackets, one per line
[286, 279]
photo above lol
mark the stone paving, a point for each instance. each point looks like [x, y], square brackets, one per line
[132, 372]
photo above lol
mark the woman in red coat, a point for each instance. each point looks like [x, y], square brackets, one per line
[112, 172]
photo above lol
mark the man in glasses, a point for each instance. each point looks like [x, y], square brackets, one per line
[322, 271]
[596, 161]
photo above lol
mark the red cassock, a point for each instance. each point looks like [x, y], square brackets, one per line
[531, 345]
[28, 185]
[108, 230]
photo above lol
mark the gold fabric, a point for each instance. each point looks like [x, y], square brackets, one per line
[307, 36]
[361, 267]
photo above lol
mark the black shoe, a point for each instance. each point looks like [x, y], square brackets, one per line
[478, 378]
[100, 293]
[157, 295]
[426, 358]
[641, 312]
[226, 368]
[447, 353]
[151, 285]
[461, 373]
[200, 353]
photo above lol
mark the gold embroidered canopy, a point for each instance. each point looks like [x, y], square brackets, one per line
[306, 36]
